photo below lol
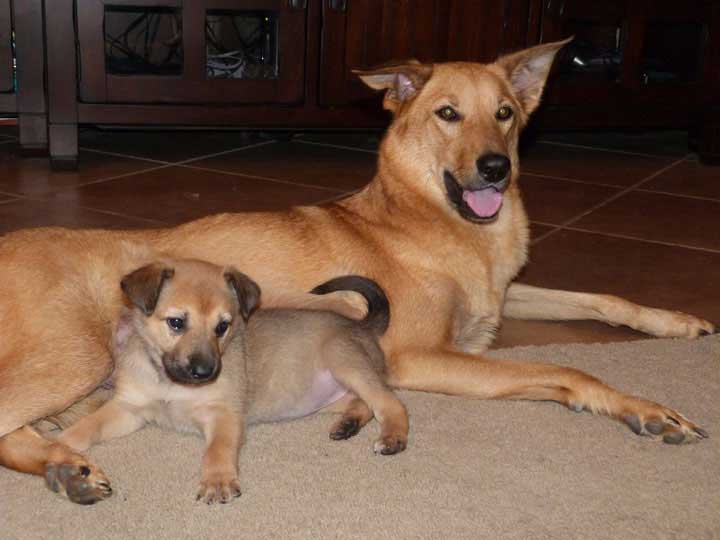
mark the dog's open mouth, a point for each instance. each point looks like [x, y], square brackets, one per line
[479, 205]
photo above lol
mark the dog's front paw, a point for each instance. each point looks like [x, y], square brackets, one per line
[653, 420]
[664, 323]
[388, 445]
[82, 483]
[220, 488]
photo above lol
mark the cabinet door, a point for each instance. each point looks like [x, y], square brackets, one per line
[7, 71]
[600, 61]
[632, 62]
[191, 51]
[364, 33]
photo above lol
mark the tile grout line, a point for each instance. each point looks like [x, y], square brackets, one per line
[645, 240]
[603, 149]
[566, 179]
[681, 195]
[125, 156]
[340, 146]
[607, 201]
[223, 152]
[601, 184]
[160, 161]
[265, 178]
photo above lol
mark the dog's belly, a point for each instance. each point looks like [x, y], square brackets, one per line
[322, 390]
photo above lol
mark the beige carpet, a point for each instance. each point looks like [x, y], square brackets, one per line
[473, 469]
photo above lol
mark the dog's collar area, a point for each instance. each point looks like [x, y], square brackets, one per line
[488, 200]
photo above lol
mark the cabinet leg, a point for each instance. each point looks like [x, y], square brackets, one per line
[63, 140]
[33, 133]
[709, 143]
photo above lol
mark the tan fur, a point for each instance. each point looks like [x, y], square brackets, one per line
[449, 280]
[269, 369]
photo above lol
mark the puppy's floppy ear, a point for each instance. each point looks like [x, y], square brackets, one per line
[246, 290]
[402, 82]
[528, 70]
[142, 286]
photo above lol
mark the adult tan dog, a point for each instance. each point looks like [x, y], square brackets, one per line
[441, 228]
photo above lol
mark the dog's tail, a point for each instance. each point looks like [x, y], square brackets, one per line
[378, 314]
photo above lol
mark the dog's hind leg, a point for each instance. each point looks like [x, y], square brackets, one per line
[66, 471]
[355, 415]
[349, 365]
[456, 373]
[528, 302]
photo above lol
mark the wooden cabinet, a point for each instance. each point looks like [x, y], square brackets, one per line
[191, 51]
[364, 33]
[634, 63]
[22, 69]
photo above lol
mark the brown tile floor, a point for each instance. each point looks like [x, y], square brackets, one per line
[634, 215]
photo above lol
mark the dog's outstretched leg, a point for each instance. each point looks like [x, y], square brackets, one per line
[456, 373]
[528, 302]
[66, 471]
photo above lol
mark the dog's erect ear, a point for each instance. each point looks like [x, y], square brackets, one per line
[246, 290]
[528, 70]
[143, 286]
[402, 82]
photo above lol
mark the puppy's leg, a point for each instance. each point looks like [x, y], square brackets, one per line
[223, 430]
[455, 373]
[348, 363]
[527, 302]
[354, 417]
[112, 420]
[66, 472]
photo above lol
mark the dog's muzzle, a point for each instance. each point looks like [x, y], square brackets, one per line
[198, 369]
[479, 204]
[480, 200]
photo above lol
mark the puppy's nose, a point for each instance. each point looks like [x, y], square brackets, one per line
[201, 368]
[493, 168]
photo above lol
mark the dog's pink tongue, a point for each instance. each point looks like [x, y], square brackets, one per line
[484, 202]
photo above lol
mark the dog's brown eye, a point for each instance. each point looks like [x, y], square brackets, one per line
[221, 328]
[504, 113]
[448, 114]
[176, 323]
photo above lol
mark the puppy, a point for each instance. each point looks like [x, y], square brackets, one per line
[189, 356]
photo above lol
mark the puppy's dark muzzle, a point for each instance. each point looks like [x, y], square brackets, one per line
[198, 369]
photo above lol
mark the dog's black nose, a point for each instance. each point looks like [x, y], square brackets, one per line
[493, 168]
[201, 368]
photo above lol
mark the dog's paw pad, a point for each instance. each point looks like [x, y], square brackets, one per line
[345, 428]
[220, 490]
[390, 444]
[661, 423]
[82, 484]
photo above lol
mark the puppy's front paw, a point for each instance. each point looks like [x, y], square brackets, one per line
[82, 483]
[220, 488]
[388, 445]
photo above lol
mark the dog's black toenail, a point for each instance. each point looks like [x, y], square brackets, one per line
[85, 471]
[674, 438]
[633, 423]
[655, 427]
[700, 431]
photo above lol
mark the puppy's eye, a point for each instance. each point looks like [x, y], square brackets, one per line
[221, 328]
[504, 113]
[176, 323]
[448, 114]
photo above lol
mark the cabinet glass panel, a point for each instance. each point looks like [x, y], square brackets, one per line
[143, 40]
[241, 44]
[672, 52]
[596, 52]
